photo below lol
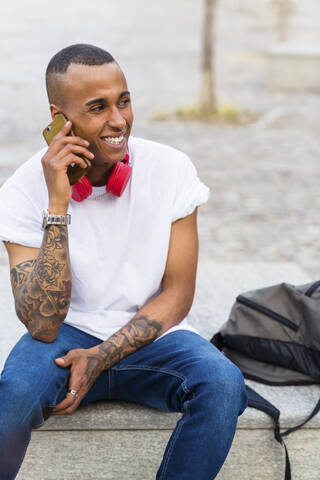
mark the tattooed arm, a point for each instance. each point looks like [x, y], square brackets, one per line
[42, 285]
[41, 278]
[151, 321]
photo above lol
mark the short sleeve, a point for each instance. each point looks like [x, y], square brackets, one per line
[20, 209]
[190, 191]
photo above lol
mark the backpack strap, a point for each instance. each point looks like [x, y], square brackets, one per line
[257, 401]
[312, 414]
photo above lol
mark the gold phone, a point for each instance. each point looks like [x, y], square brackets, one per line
[74, 172]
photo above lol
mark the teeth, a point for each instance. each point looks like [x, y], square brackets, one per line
[113, 140]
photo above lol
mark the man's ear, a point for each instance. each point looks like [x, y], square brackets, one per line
[54, 110]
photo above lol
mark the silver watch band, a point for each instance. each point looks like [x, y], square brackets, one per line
[51, 219]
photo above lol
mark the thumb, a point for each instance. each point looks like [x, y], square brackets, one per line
[63, 361]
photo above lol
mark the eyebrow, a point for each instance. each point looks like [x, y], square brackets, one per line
[102, 100]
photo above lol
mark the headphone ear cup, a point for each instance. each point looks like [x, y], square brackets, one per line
[81, 190]
[118, 179]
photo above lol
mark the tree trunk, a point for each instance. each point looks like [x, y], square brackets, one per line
[241, 7]
[208, 99]
[283, 8]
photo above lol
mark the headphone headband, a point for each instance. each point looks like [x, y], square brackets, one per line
[117, 181]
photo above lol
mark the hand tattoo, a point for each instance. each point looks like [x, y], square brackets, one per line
[42, 287]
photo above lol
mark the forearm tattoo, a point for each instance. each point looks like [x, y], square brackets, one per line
[134, 335]
[42, 287]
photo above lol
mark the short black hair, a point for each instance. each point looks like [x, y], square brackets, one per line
[80, 53]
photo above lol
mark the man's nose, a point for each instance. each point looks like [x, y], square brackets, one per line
[116, 120]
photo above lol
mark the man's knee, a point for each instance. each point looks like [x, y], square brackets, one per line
[230, 384]
[219, 384]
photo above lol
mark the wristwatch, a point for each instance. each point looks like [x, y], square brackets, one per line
[49, 219]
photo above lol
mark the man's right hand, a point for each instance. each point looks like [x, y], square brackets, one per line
[62, 152]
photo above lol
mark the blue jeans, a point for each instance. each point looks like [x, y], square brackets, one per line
[180, 372]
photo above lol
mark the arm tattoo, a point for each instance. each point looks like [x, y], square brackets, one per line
[136, 334]
[42, 287]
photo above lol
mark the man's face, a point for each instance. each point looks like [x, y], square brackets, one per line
[98, 103]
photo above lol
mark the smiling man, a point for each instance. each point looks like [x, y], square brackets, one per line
[105, 280]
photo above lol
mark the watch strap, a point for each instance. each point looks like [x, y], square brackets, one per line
[52, 219]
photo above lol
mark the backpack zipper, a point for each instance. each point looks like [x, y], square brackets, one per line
[312, 289]
[269, 313]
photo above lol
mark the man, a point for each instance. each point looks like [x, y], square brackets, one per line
[105, 298]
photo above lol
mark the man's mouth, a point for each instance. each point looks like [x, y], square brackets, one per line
[113, 140]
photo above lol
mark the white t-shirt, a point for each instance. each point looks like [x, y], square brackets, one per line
[118, 246]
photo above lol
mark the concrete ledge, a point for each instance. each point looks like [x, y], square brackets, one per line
[116, 440]
[133, 454]
[293, 67]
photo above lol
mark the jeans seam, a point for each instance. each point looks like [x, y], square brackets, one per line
[58, 393]
[155, 369]
[166, 371]
[111, 381]
[177, 433]
[186, 404]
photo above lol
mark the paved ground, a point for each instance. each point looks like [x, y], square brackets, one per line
[264, 177]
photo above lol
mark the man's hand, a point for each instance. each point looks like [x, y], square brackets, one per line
[63, 151]
[85, 367]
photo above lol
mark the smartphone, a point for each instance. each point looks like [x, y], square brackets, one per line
[74, 171]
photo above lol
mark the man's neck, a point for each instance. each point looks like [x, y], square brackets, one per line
[98, 176]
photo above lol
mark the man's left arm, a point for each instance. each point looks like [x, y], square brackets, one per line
[163, 312]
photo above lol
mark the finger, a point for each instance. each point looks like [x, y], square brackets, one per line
[65, 130]
[62, 163]
[76, 149]
[65, 360]
[62, 138]
[61, 362]
[70, 399]
[73, 139]
[70, 139]
[67, 411]
[70, 402]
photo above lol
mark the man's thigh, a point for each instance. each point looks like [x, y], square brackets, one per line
[164, 373]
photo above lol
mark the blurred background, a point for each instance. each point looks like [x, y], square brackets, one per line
[258, 150]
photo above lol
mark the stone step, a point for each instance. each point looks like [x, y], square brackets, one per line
[116, 440]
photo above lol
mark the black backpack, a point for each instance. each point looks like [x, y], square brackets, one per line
[273, 335]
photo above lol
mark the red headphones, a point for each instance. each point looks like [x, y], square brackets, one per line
[117, 182]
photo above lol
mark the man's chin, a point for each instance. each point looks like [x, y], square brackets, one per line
[113, 154]
[109, 161]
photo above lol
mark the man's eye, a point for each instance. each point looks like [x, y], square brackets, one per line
[124, 102]
[96, 108]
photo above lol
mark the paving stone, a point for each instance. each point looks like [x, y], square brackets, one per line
[264, 177]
